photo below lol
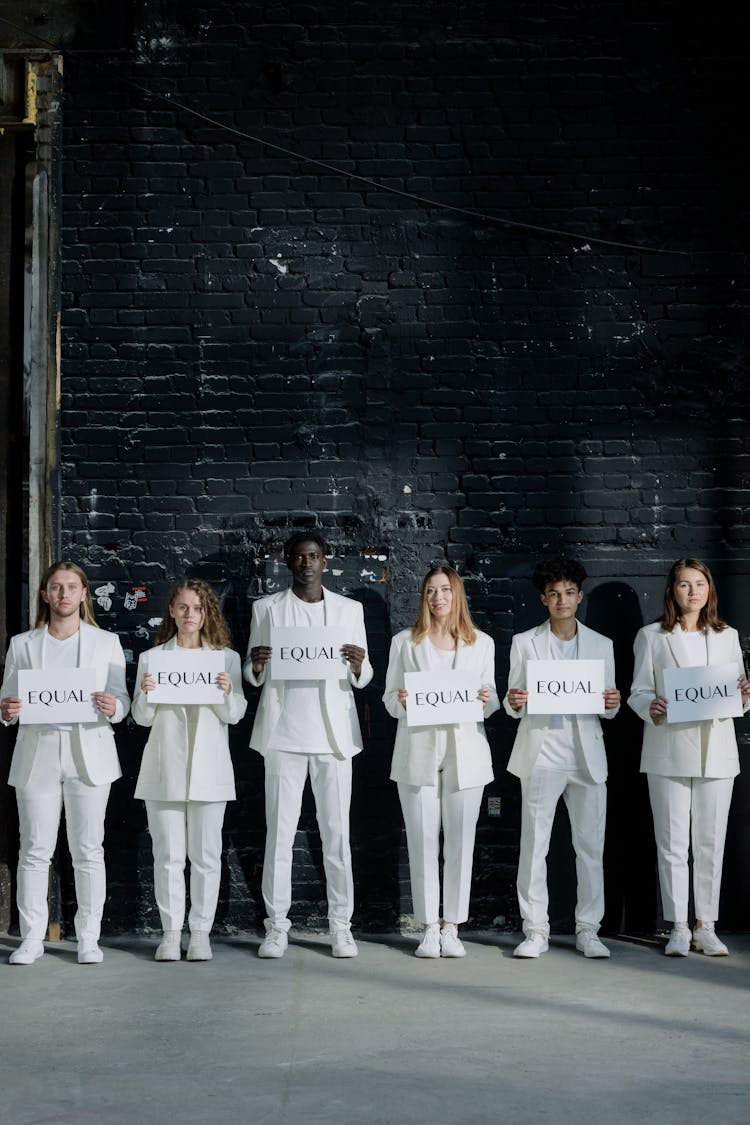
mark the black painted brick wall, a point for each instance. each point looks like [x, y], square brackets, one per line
[253, 343]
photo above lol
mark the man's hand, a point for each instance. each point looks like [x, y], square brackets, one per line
[354, 655]
[260, 655]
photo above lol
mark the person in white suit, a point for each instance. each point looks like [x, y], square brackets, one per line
[186, 775]
[69, 764]
[307, 727]
[560, 756]
[690, 766]
[441, 771]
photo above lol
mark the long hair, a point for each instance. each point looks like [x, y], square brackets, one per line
[215, 631]
[460, 625]
[709, 616]
[86, 608]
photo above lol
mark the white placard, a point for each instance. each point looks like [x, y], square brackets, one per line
[702, 693]
[312, 652]
[57, 695]
[443, 697]
[186, 676]
[565, 687]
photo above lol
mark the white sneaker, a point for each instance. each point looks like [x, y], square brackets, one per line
[199, 948]
[169, 948]
[679, 941]
[274, 944]
[342, 943]
[429, 946]
[450, 943]
[29, 951]
[89, 952]
[587, 943]
[533, 945]
[706, 941]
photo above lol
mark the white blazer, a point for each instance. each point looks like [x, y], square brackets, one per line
[674, 749]
[534, 644]
[336, 696]
[415, 754]
[92, 744]
[169, 772]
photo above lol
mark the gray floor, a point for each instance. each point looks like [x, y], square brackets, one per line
[384, 1038]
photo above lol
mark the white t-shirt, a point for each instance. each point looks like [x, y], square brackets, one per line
[60, 654]
[301, 728]
[697, 646]
[561, 749]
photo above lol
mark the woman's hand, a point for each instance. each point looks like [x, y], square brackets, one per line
[10, 708]
[611, 699]
[658, 710]
[224, 680]
[518, 698]
[148, 683]
[484, 695]
[104, 702]
[402, 694]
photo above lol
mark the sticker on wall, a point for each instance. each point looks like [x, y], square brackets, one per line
[135, 596]
[103, 595]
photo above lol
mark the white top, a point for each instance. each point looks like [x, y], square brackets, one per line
[439, 659]
[697, 648]
[60, 654]
[301, 728]
[560, 749]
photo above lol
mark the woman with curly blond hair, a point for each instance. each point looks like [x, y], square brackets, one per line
[186, 776]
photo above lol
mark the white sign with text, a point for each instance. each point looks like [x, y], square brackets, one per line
[434, 698]
[565, 687]
[57, 695]
[702, 693]
[302, 652]
[186, 676]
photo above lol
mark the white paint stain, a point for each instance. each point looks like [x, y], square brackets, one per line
[407, 489]
[154, 622]
[282, 267]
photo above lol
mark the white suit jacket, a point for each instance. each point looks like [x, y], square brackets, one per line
[415, 754]
[336, 696]
[534, 644]
[674, 749]
[92, 744]
[168, 771]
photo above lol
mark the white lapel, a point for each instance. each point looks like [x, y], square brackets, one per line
[715, 646]
[35, 647]
[87, 645]
[419, 654]
[540, 641]
[678, 648]
[586, 644]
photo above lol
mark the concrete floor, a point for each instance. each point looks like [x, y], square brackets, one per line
[384, 1038]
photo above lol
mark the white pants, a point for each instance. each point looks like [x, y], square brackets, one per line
[586, 802]
[424, 806]
[183, 830]
[56, 783]
[686, 808]
[331, 781]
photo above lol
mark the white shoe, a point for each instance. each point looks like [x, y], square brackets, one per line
[533, 945]
[274, 944]
[706, 941]
[587, 943]
[429, 946]
[342, 943]
[29, 951]
[89, 952]
[199, 948]
[450, 943]
[169, 948]
[679, 941]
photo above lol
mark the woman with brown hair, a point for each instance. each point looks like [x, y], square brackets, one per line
[186, 776]
[441, 771]
[690, 766]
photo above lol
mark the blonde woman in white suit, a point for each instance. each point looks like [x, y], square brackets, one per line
[70, 765]
[441, 771]
[186, 775]
[690, 766]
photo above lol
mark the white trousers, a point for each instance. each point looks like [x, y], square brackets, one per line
[331, 781]
[183, 830]
[586, 802]
[56, 783]
[686, 808]
[424, 807]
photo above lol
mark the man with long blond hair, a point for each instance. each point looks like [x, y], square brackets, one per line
[64, 764]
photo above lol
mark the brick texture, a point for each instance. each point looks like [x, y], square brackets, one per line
[253, 343]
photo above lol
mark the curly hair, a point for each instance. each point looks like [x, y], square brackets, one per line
[460, 625]
[561, 568]
[215, 632]
[304, 537]
[709, 615]
[86, 609]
